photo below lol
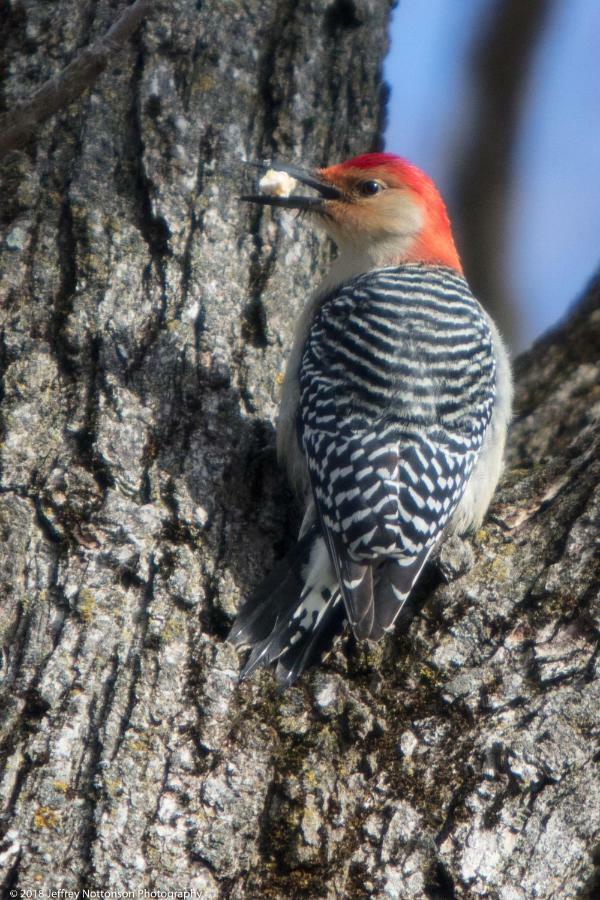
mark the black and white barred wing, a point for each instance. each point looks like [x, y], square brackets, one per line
[397, 389]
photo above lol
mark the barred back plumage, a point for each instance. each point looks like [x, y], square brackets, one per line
[397, 388]
[391, 428]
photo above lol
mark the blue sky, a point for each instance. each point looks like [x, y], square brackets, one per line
[555, 197]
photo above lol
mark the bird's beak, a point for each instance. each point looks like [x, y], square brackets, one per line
[305, 204]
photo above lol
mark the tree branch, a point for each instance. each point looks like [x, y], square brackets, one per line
[500, 70]
[20, 124]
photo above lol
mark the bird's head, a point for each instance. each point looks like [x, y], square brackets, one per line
[378, 206]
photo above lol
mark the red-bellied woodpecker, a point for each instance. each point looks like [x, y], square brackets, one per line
[394, 412]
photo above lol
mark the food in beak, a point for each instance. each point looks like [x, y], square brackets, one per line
[276, 184]
[281, 178]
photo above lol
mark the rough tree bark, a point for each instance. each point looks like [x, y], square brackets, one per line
[145, 319]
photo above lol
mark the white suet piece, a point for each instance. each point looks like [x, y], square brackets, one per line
[276, 184]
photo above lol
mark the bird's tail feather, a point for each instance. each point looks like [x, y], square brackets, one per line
[259, 614]
[295, 614]
[313, 645]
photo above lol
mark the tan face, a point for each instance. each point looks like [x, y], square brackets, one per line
[375, 207]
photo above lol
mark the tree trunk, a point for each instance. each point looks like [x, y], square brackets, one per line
[146, 317]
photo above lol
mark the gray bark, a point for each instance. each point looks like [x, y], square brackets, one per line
[145, 321]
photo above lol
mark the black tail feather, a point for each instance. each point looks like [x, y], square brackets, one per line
[277, 596]
[290, 619]
[313, 645]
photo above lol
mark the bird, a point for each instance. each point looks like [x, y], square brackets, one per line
[394, 411]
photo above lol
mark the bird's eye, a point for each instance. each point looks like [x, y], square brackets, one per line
[369, 188]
